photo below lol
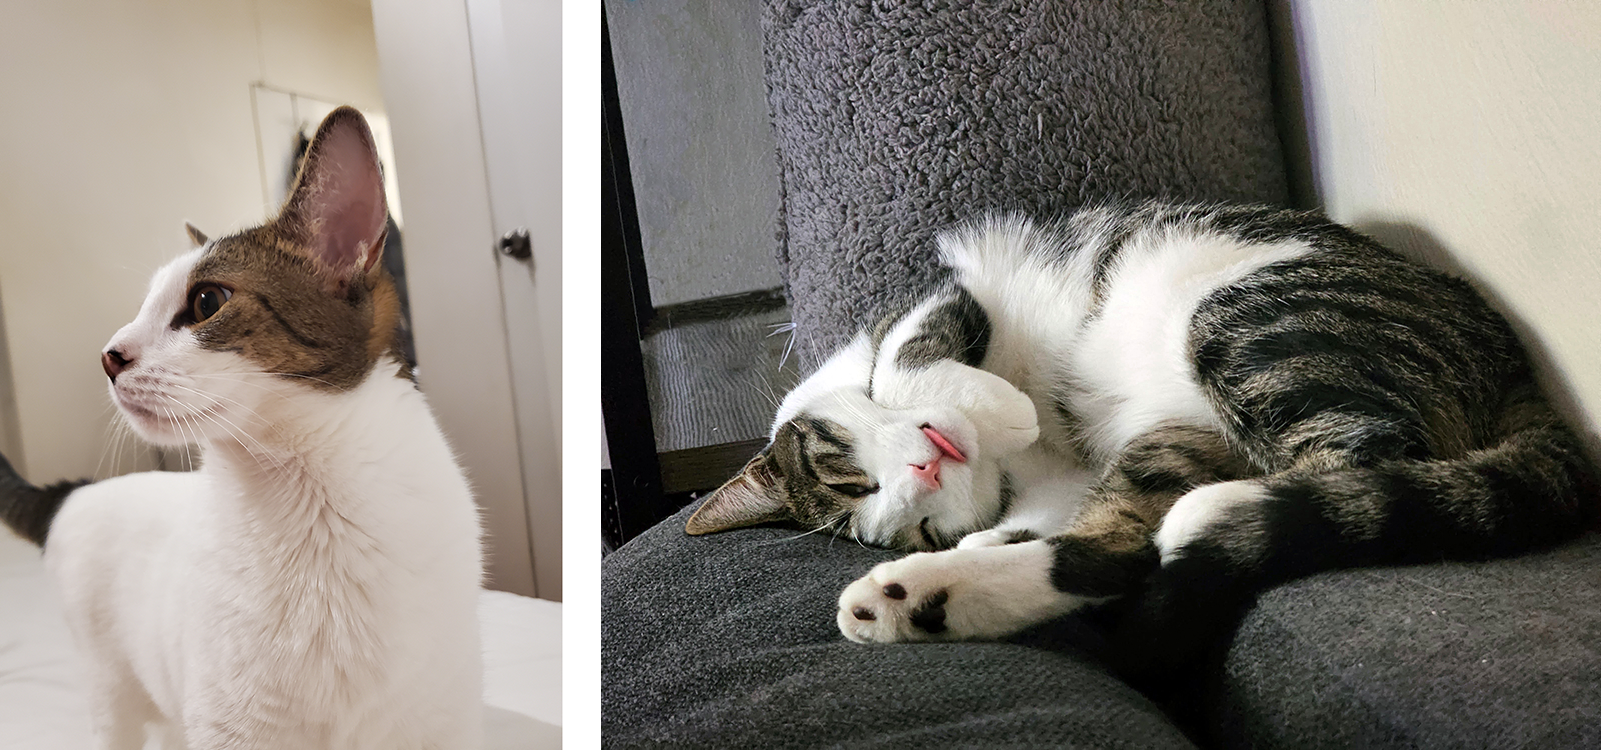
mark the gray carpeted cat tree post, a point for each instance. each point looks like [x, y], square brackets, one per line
[896, 120]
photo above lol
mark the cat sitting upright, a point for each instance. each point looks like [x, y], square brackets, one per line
[1175, 406]
[315, 583]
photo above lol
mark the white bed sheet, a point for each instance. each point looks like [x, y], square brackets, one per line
[42, 708]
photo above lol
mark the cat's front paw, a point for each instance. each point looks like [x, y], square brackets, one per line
[958, 594]
[1005, 416]
[898, 601]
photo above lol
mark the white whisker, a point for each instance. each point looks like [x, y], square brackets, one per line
[272, 374]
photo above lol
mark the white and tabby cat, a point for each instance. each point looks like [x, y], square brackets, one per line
[314, 584]
[1182, 403]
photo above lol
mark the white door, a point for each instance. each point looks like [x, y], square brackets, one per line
[472, 90]
[517, 66]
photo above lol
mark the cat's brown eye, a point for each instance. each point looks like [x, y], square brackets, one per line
[853, 490]
[207, 300]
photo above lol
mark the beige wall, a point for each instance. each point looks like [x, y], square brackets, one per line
[1465, 133]
[122, 119]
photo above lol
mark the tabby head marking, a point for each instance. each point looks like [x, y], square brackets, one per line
[299, 304]
[899, 478]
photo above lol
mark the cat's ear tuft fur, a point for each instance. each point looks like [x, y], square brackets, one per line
[196, 237]
[336, 209]
[750, 498]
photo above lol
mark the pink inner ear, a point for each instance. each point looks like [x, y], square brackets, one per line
[340, 197]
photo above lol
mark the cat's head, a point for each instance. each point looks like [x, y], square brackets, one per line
[233, 328]
[915, 478]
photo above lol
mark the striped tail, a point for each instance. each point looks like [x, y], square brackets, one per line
[27, 509]
[1222, 544]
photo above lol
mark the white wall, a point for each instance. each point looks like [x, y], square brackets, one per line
[123, 118]
[1465, 133]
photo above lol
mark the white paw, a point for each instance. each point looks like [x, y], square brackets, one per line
[901, 600]
[1016, 423]
[1003, 415]
[974, 593]
[1199, 509]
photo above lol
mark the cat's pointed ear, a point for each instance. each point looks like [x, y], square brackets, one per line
[750, 498]
[336, 209]
[196, 237]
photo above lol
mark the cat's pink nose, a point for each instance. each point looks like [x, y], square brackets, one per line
[927, 473]
[113, 363]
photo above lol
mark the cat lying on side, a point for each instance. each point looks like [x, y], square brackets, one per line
[1174, 406]
[315, 583]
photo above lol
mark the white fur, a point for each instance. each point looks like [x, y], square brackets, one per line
[847, 370]
[979, 412]
[1129, 365]
[1050, 490]
[312, 585]
[1195, 513]
[990, 592]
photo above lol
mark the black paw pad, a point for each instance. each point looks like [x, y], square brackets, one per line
[863, 613]
[930, 615]
[894, 591]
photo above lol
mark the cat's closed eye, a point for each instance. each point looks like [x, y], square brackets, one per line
[849, 489]
[207, 300]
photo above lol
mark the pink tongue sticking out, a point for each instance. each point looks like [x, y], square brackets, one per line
[943, 445]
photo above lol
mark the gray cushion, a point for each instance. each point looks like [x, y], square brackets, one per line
[1503, 654]
[894, 120]
[729, 640]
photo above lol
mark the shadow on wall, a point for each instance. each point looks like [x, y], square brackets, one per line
[10, 426]
[1292, 102]
[1419, 244]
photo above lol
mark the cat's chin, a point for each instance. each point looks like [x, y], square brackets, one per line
[159, 429]
[153, 428]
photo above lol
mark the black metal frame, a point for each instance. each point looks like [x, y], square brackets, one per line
[635, 501]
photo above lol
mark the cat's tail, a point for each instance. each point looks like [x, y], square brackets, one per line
[1221, 544]
[27, 509]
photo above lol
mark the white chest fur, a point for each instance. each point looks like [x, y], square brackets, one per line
[313, 585]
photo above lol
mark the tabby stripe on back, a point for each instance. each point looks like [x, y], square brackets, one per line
[1280, 363]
